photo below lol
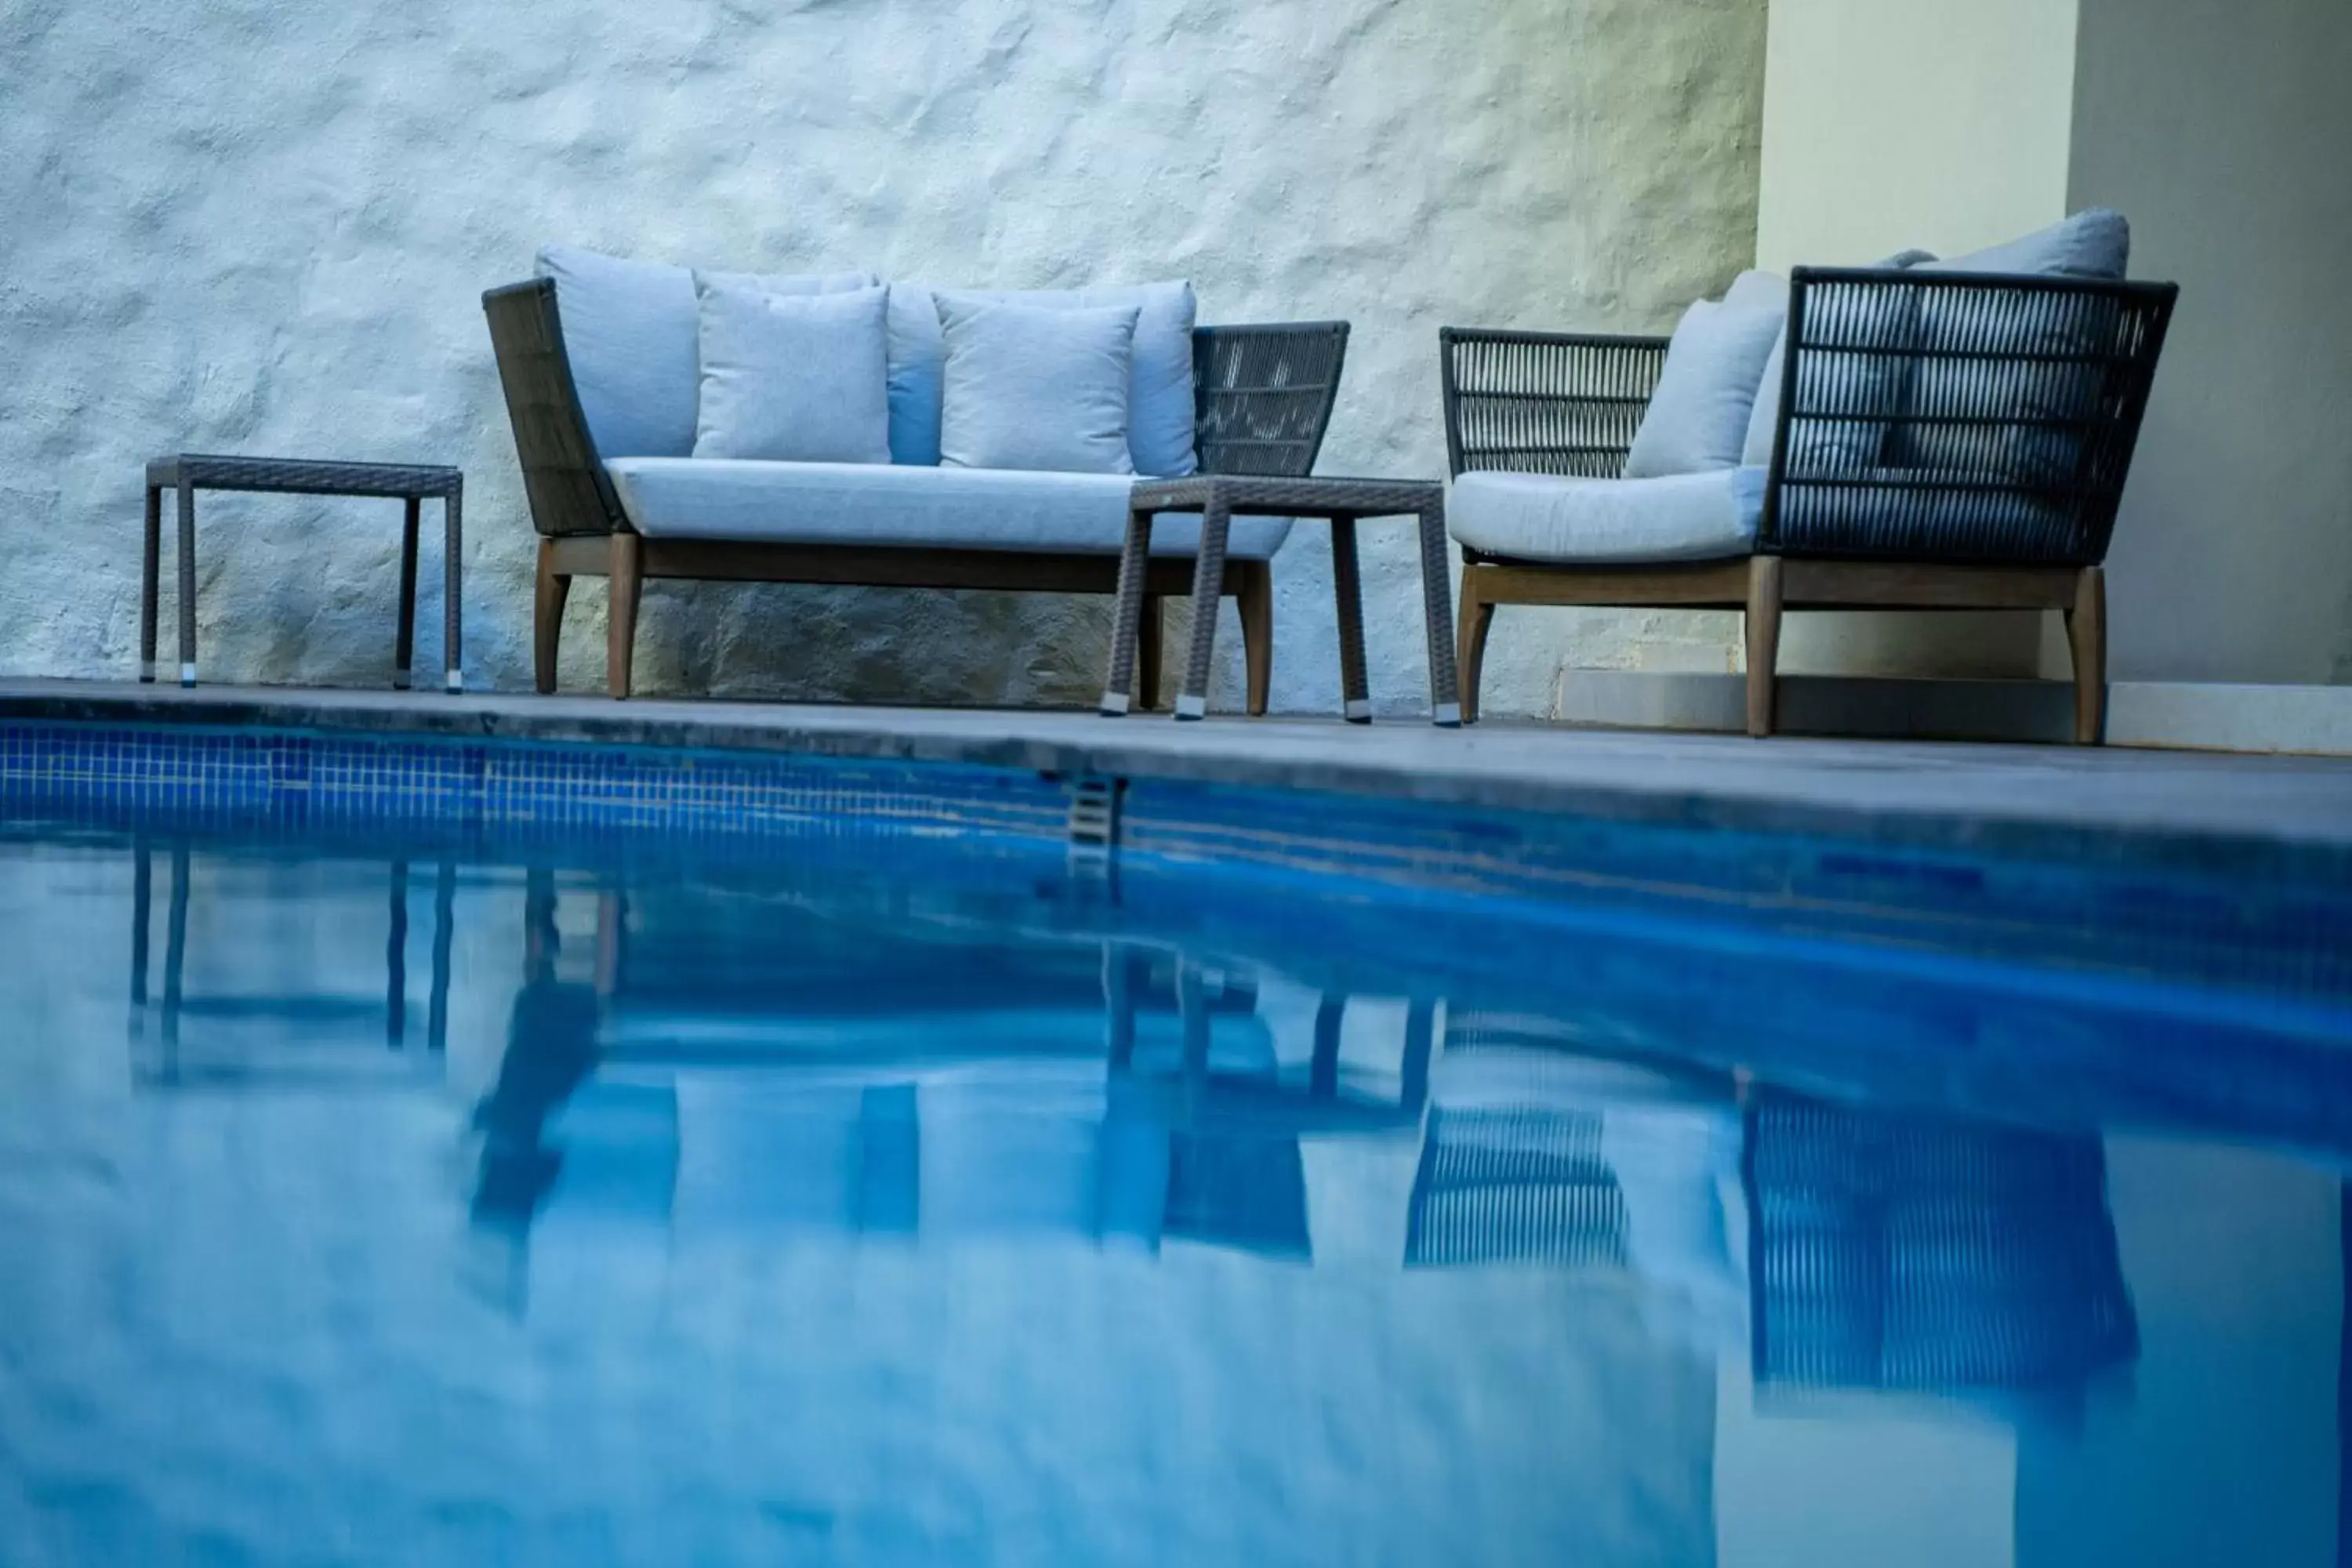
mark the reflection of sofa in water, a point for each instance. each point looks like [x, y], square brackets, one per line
[768, 1067]
[1896, 1252]
[1535, 1154]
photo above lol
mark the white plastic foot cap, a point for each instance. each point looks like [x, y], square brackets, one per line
[1359, 711]
[147, 671]
[188, 675]
[1448, 715]
[1114, 703]
[400, 681]
[456, 680]
[1191, 707]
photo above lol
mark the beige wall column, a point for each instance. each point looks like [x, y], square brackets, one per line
[2223, 128]
[1895, 123]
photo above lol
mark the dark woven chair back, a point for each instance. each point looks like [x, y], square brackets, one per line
[1545, 403]
[1521, 1185]
[1263, 396]
[1904, 1253]
[1960, 417]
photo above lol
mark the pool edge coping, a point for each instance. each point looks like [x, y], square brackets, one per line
[1210, 757]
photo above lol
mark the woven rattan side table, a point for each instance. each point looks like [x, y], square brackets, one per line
[1342, 504]
[190, 471]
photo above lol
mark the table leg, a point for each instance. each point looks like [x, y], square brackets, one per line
[150, 565]
[452, 596]
[188, 583]
[403, 645]
[1348, 590]
[1208, 588]
[1437, 603]
[1134, 566]
[445, 919]
[396, 962]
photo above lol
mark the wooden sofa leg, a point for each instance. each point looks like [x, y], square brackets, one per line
[1763, 641]
[1151, 653]
[1475, 620]
[1256, 596]
[2086, 633]
[546, 618]
[621, 631]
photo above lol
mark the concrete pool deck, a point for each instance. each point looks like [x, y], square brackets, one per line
[2217, 811]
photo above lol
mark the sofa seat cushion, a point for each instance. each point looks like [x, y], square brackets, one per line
[919, 509]
[1542, 517]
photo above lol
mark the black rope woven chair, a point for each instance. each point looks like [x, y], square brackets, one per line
[1998, 440]
[1263, 397]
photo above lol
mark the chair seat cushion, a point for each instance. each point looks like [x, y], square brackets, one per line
[1542, 517]
[917, 508]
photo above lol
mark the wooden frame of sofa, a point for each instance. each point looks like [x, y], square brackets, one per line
[1932, 536]
[1263, 397]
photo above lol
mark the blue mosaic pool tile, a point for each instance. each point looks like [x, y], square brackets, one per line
[99, 773]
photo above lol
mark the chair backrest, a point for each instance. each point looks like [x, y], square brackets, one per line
[562, 474]
[1958, 417]
[1263, 396]
[1544, 403]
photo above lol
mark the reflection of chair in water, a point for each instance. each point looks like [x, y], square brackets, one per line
[1895, 1252]
[311, 1015]
[1537, 1154]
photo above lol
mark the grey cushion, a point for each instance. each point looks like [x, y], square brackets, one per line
[1697, 418]
[800, 378]
[2095, 243]
[1859, 384]
[630, 331]
[1541, 517]
[1159, 382]
[919, 508]
[1031, 388]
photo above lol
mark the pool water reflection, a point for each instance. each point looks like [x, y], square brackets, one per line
[383, 1205]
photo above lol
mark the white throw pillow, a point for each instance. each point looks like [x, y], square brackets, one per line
[1697, 418]
[1034, 387]
[791, 378]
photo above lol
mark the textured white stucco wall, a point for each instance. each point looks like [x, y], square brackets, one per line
[255, 226]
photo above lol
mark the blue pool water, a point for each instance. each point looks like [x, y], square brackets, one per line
[378, 1192]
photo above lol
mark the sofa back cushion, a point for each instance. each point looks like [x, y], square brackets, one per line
[1035, 389]
[1697, 417]
[1160, 414]
[631, 331]
[798, 378]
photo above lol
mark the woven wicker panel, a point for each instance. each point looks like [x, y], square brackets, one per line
[1263, 396]
[1899, 1253]
[1545, 403]
[1513, 1186]
[1954, 417]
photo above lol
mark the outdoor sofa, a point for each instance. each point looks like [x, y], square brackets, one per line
[1943, 435]
[608, 388]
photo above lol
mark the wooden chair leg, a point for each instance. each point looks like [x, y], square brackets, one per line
[1256, 595]
[1150, 652]
[2087, 634]
[620, 639]
[1476, 619]
[1763, 641]
[547, 617]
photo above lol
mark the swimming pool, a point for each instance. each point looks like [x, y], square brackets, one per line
[420, 1154]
